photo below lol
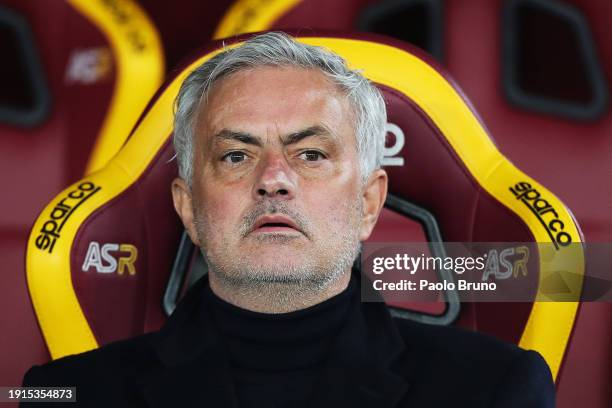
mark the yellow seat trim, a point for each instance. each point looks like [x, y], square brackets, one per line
[139, 63]
[247, 16]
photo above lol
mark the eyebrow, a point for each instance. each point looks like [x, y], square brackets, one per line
[295, 137]
[291, 138]
[243, 137]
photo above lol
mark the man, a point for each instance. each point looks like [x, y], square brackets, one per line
[279, 148]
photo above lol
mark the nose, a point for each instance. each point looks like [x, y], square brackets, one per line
[276, 179]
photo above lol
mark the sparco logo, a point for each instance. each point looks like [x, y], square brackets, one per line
[124, 17]
[51, 229]
[545, 213]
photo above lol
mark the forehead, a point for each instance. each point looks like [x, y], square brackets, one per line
[267, 100]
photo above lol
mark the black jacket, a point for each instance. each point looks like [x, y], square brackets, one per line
[377, 361]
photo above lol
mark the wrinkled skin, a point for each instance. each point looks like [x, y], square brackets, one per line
[278, 142]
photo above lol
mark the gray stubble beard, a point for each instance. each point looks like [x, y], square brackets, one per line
[291, 287]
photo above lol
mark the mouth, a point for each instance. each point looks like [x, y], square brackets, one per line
[275, 224]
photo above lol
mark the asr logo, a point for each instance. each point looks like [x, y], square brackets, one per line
[390, 152]
[105, 258]
[88, 66]
[509, 262]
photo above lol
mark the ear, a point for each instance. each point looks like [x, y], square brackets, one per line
[181, 196]
[373, 198]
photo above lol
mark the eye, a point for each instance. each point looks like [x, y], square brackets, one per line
[234, 157]
[312, 155]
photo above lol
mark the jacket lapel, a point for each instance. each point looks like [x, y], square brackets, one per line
[194, 371]
[202, 382]
[359, 372]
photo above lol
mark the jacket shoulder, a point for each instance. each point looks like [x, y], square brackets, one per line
[457, 344]
[109, 364]
[472, 368]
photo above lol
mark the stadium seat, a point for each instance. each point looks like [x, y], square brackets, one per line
[538, 72]
[75, 76]
[509, 77]
[569, 58]
[101, 253]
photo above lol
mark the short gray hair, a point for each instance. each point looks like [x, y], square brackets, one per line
[279, 49]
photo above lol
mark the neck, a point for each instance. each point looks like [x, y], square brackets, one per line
[277, 297]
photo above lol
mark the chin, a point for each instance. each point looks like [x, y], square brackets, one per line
[281, 265]
[277, 248]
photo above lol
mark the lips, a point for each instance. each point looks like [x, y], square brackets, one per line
[275, 223]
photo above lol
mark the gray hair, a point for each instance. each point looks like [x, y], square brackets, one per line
[279, 49]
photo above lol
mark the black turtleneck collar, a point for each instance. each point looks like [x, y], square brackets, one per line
[280, 342]
[360, 367]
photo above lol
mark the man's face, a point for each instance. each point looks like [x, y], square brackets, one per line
[276, 190]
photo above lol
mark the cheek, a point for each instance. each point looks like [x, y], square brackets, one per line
[218, 210]
[333, 206]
